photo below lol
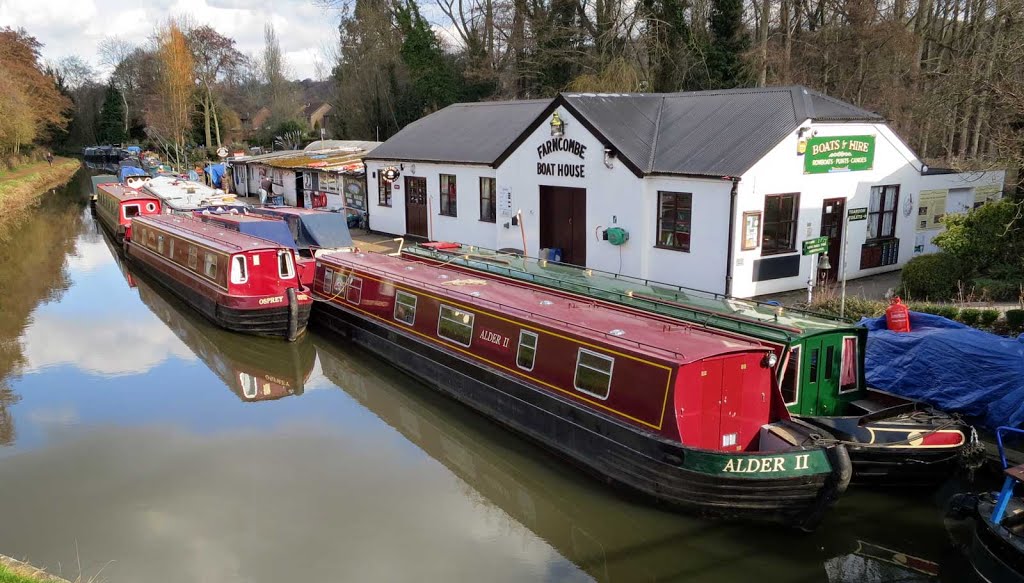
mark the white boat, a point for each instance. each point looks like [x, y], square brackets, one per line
[184, 196]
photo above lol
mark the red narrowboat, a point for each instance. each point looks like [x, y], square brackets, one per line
[117, 204]
[241, 283]
[264, 227]
[690, 418]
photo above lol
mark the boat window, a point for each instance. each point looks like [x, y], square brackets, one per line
[170, 248]
[355, 290]
[250, 385]
[593, 373]
[160, 243]
[527, 352]
[150, 207]
[850, 365]
[405, 308]
[830, 352]
[193, 257]
[150, 238]
[339, 283]
[210, 265]
[328, 280]
[455, 325]
[239, 269]
[790, 385]
[814, 367]
[131, 210]
[285, 267]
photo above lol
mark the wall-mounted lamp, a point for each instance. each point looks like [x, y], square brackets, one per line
[609, 157]
[557, 126]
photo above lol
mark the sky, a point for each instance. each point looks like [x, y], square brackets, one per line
[75, 27]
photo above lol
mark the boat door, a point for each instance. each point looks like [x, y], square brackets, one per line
[563, 222]
[416, 206]
[300, 193]
[833, 213]
[736, 401]
[820, 368]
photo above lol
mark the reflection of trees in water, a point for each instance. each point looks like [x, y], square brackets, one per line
[32, 271]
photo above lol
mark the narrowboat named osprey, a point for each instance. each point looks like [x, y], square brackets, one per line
[265, 227]
[692, 419]
[892, 441]
[117, 205]
[241, 283]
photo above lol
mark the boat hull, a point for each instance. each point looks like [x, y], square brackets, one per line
[615, 452]
[996, 555]
[234, 314]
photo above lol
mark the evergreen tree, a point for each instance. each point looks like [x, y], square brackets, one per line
[111, 124]
[435, 82]
[729, 41]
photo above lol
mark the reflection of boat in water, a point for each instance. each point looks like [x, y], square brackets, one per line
[255, 369]
[609, 537]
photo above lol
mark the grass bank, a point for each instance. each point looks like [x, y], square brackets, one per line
[21, 188]
[12, 571]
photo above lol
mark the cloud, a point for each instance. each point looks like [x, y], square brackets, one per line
[75, 27]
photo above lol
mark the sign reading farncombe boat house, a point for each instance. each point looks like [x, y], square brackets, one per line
[839, 154]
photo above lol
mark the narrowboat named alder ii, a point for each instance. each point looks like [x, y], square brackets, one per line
[892, 441]
[116, 206]
[241, 283]
[692, 419]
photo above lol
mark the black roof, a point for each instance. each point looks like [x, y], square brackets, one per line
[469, 133]
[703, 133]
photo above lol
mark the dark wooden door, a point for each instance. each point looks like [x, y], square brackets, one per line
[300, 191]
[416, 206]
[563, 222]
[833, 212]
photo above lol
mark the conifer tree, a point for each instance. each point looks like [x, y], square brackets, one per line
[111, 124]
[728, 43]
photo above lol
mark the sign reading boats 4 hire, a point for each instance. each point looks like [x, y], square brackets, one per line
[839, 154]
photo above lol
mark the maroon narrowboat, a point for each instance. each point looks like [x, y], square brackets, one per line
[693, 419]
[117, 204]
[241, 283]
[264, 227]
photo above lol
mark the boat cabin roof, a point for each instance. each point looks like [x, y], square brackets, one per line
[682, 343]
[123, 193]
[184, 194]
[206, 234]
[265, 227]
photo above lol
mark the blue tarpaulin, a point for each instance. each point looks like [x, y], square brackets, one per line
[950, 366]
[127, 171]
[215, 172]
[134, 150]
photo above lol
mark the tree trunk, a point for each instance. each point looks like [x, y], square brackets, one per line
[206, 119]
[216, 119]
[787, 41]
[766, 12]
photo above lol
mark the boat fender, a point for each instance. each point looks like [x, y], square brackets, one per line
[293, 315]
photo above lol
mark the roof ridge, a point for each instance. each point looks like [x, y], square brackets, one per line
[657, 134]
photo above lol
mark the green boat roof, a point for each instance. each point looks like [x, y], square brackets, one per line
[749, 317]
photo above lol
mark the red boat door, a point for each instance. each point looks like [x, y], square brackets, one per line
[736, 402]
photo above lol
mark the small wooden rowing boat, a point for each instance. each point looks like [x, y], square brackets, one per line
[241, 283]
[692, 419]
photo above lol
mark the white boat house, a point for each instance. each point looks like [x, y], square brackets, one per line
[714, 190]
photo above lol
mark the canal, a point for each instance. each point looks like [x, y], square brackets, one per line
[140, 443]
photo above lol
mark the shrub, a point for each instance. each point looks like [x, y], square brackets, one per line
[945, 310]
[970, 316]
[931, 277]
[999, 290]
[856, 307]
[989, 317]
[1015, 320]
[988, 238]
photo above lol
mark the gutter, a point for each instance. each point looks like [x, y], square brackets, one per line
[732, 235]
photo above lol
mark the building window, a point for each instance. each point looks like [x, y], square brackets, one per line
[527, 352]
[285, 267]
[405, 308]
[882, 212]
[791, 378]
[455, 325]
[448, 196]
[849, 365]
[674, 218]
[384, 194]
[328, 280]
[487, 200]
[780, 215]
[210, 265]
[239, 269]
[355, 290]
[593, 373]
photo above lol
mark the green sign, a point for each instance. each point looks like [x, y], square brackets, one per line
[839, 154]
[812, 246]
[764, 467]
[857, 214]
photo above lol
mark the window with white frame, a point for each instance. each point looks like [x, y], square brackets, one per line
[850, 365]
[526, 355]
[455, 325]
[239, 269]
[449, 196]
[210, 265]
[285, 265]
[488, 201]
[593, 373]
[328, 280]
[405, 308]
[354, 294]
[790, 384]
[882, 211]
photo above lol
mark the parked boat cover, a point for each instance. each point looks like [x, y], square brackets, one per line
[324, 231]
[950, 366]
[276, 231]
[127, 171]
[215, 172]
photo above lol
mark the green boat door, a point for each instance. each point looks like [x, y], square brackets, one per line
[820, 366]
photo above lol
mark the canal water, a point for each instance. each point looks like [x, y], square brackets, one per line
[140, 443]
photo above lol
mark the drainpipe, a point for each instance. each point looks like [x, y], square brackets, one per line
[732, 235]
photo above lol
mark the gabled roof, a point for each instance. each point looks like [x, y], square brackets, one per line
[699, 133]
[467, 133]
